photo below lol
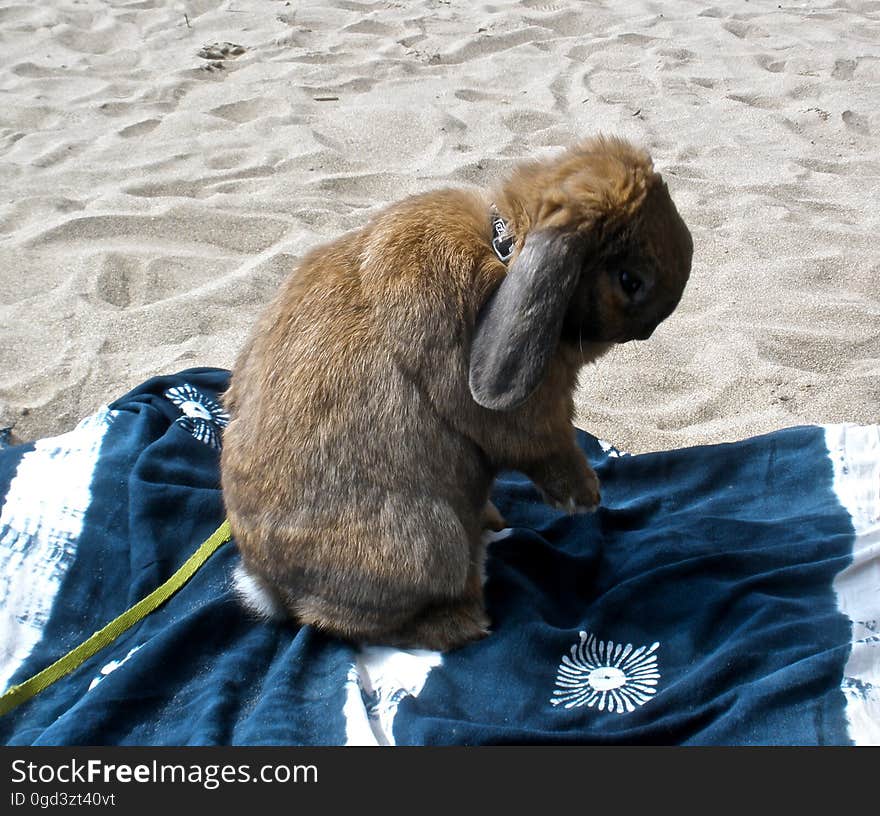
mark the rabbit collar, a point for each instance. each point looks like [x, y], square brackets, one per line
[502, 241]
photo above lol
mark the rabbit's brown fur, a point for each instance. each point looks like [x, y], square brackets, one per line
[358, 461]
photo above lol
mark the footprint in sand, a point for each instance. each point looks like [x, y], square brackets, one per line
[470, 95]
[844, 69]
[528, 121]
[139, 128]
[246, 110]
[740, 29]
[113, 282]
[768, 63]
[857, 122]
[221, 51]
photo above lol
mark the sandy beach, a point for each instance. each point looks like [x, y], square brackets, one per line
[163, 165]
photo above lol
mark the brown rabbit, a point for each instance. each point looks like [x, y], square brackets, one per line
[403, 365]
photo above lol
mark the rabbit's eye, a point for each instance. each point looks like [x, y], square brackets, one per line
[629, 282]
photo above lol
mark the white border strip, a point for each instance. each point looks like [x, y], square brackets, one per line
[40, 525]
[855, 454]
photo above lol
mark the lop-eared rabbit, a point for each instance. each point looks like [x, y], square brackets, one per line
[403, 365]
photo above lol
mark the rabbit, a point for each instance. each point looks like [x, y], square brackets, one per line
[403, 365]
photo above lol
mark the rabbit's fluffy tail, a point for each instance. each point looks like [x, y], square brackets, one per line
[256, 595]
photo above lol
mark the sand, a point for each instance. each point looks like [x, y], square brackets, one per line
[163, 165]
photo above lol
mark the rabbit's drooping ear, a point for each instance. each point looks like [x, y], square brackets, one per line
[518, 329]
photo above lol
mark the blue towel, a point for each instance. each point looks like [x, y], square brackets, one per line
[721, 595]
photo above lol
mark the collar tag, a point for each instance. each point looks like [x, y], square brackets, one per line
[502, 242]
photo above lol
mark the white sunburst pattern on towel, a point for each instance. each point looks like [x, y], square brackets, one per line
[203, 417]
[606, 675]
[40, 525]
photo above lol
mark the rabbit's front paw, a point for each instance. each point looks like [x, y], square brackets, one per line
[573, 488]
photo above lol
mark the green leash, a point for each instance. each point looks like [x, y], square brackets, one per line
[16, 695]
